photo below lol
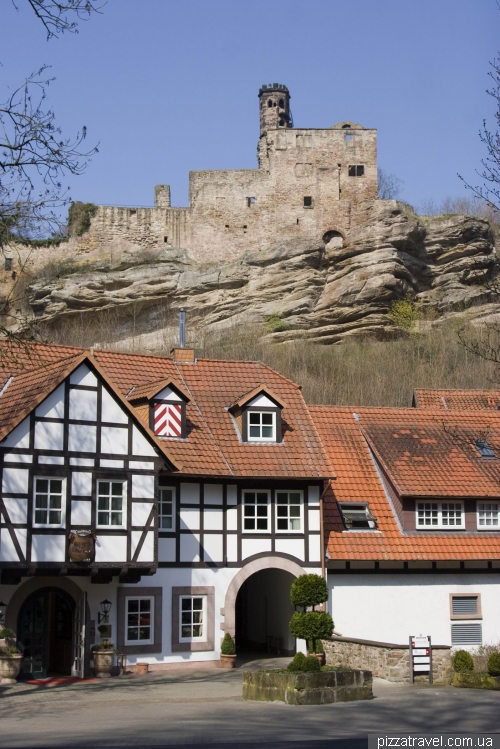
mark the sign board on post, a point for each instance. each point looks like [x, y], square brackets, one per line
[420, 656]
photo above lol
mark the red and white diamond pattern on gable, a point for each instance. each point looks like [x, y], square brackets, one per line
[167, 420]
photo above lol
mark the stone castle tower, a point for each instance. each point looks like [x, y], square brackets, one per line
[274, 106]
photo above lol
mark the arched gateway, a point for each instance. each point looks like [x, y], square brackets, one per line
[257, 608]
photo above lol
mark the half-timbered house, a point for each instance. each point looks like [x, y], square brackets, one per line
[174, 497]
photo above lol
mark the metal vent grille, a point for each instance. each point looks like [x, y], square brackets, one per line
[464, 605]
[466, 634]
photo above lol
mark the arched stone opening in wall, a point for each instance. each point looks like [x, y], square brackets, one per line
[278, 584]
[333, 239]
[42, 613]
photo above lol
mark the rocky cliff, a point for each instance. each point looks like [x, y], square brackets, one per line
[301, 288]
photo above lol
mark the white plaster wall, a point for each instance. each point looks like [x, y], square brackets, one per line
[390, 608]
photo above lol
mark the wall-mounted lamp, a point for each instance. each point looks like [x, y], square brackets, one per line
[105, 608]
[3, 610]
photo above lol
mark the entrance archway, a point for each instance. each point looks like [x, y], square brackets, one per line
[334, 239]
[263, 613]
[45, 630]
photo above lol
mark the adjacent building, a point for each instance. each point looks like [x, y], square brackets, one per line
[173, 499]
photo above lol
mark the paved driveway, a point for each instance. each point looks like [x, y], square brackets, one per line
[205, 707]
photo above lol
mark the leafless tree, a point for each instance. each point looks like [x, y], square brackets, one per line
[35, 157]
[489, 191]
[389, 186]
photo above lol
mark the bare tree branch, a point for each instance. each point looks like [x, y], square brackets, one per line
[57, 16]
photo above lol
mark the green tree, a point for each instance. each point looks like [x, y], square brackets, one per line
[309, 591]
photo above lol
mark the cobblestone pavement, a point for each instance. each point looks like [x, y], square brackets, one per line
[203, 707]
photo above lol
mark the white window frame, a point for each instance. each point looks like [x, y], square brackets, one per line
[301, 511]
[440, 508]
[123, 525]
[62, 479]
[261, 439]
[204, 622]
[138, 642]
[478, 517]
[268, 515]
[160, 516]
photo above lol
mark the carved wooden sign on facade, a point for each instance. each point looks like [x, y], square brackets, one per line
[81, 546]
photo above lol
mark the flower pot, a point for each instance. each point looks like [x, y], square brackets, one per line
[227, 661]
[10, 665]
[141, 668]
[103, 663]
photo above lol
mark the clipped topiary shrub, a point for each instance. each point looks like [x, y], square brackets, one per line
[494, 664]
[228, 646]
[462, 662]
[311, 626]
[302, 664]
[308, 590]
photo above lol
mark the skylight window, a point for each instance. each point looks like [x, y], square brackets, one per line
[484, 449]
[357, 516]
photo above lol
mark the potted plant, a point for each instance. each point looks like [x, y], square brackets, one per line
[7, 638]
[10, 664]
[308, 591]
[227, 652]
[104, 659]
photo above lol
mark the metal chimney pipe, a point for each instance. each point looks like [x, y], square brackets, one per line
[182, 328]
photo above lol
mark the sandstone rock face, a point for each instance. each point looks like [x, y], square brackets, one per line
[324, 293]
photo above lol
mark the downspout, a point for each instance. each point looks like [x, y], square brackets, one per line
[322, 528]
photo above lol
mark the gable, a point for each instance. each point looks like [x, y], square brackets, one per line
[262, 401]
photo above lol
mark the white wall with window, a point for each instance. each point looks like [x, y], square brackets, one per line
[443, 515]
[256, 511]
[49, 502]
[488, 516]
[111, 504]
[289, 512]
[390, 608]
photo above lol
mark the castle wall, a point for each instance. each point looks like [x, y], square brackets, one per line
[308, 182]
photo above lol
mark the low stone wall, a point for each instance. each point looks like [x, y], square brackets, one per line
[476, 680]
[385, 660]
[316, 688]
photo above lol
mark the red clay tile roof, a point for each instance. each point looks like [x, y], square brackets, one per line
[457, 400]
[212, 446]
[358, 480]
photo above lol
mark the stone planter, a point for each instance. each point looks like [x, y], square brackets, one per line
[10, 665]
[476, 680]
[227, 661]
[103, 663]
[314, 688]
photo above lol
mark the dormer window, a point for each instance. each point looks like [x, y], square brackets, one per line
[483, 449]
[357, 516]
[167, 407]
[168, 414]
[261, 426]
[258, 416]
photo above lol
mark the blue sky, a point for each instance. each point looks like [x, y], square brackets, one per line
[167, 87]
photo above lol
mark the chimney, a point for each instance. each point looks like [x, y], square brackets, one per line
[183, 355]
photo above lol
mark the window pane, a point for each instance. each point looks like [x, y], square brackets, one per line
[262, 525]
[103, 487]
[262, 497]
[42, 485]
[197, 604]
[186, 604]
[197, 630]
[116, 518]
[55, 501]
[56, 485]
[41, 501]
[117, 488]
[55, 517]
[186, 631]
[144, 633]
[254, 418]
[133, 633]
[295, 525]
[145, 604]
[267, 418]
[254, 431]
[282, 525]
[116, 503]
[103, 503]
[103, 518]
[40, 516]
[249, 524]
[267, 432]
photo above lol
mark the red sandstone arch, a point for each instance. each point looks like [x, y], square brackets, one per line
[262, 563]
